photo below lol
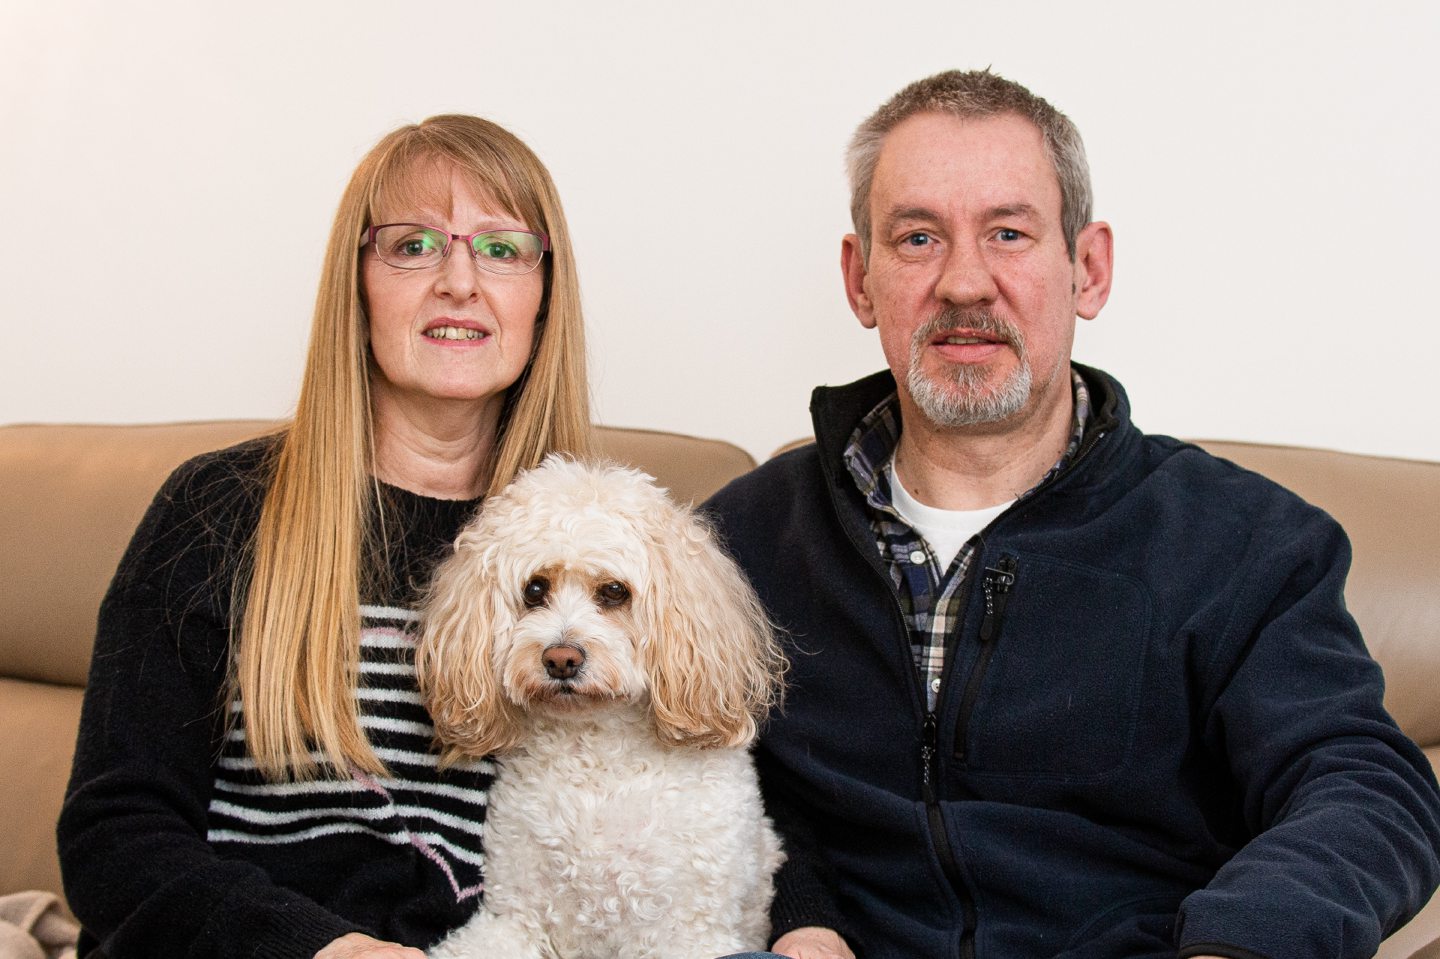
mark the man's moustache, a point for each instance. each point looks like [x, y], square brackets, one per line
[973, 319]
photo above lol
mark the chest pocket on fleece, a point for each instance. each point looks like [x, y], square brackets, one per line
[1060, 698]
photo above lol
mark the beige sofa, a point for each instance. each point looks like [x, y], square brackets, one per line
[71, 495]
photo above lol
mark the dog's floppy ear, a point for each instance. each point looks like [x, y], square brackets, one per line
[466, 613]
[714, 666]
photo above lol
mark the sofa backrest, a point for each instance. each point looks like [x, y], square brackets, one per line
[70, 497]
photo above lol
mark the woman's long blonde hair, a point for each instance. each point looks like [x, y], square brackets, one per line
[298, 619]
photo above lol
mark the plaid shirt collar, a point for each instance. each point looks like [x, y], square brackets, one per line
[873, 443]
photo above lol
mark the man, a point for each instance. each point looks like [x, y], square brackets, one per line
[1058, 687]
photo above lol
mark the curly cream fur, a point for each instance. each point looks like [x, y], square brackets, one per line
[626, 819]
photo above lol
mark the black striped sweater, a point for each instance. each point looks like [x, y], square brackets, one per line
[170, 841]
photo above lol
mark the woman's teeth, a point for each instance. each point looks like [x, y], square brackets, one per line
[454, 333]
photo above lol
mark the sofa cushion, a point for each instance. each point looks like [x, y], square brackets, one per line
[37, 739]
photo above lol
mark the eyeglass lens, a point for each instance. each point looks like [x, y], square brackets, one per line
[412, 247]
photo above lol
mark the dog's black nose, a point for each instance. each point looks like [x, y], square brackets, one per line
[563, 661]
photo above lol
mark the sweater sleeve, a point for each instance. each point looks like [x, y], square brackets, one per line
[138, 871]
[1342, 807]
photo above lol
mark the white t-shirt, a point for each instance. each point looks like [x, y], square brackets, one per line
[944, 530]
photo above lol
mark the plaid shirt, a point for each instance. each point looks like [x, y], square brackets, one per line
[930, 598]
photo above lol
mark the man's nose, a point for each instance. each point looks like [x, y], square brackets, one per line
[965, 276]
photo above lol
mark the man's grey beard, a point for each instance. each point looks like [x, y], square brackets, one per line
[962, 399]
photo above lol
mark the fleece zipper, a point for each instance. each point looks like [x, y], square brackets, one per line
[995, 584]
[939, 835]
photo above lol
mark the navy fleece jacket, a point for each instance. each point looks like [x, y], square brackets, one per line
[1170, 740]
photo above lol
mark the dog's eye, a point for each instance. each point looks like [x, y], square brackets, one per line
[536, 590]
[612, 594]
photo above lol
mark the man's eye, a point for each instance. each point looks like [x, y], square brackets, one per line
[918, 240]
[1008, 235]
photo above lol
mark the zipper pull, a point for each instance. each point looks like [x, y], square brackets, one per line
[929, 741]
[996, 584]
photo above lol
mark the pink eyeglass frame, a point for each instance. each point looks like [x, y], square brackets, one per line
[368, 237]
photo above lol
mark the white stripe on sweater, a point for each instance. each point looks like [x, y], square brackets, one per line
[265, 817]
[397, 725]
[389, 695]
[387, 669]
[331, 829]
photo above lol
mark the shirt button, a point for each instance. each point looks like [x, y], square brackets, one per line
[935, 685]
[917, 557]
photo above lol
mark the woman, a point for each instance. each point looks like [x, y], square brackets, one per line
[253, 773]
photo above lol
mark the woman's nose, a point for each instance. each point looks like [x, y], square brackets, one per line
[458, 275]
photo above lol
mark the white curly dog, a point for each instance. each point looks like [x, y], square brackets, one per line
[589, 633]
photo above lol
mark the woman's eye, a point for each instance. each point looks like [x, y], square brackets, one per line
[493, 249]
[416, 244]
[612, 594]
[535, 591]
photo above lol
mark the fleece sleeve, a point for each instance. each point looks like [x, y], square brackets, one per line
[803, 893]
[1342, 807]
[138, 871]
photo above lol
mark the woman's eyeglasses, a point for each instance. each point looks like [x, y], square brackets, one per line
[414, 246]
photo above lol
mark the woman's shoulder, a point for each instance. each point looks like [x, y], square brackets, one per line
[204, 515]
[235, 477]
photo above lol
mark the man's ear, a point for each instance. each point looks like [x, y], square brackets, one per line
[852, 265]
[1094, 266]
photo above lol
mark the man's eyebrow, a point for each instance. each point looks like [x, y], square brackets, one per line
[909, 213]
[1024, 210]
[903, 213]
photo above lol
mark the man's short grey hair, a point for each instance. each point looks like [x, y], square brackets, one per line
[969, 95]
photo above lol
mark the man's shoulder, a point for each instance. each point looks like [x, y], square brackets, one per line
[770, 483]
[1186, 474]
[1192, 462]
[782, 501]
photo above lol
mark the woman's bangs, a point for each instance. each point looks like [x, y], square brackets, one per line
[412, 181]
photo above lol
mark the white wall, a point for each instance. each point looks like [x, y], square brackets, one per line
[168, 171]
